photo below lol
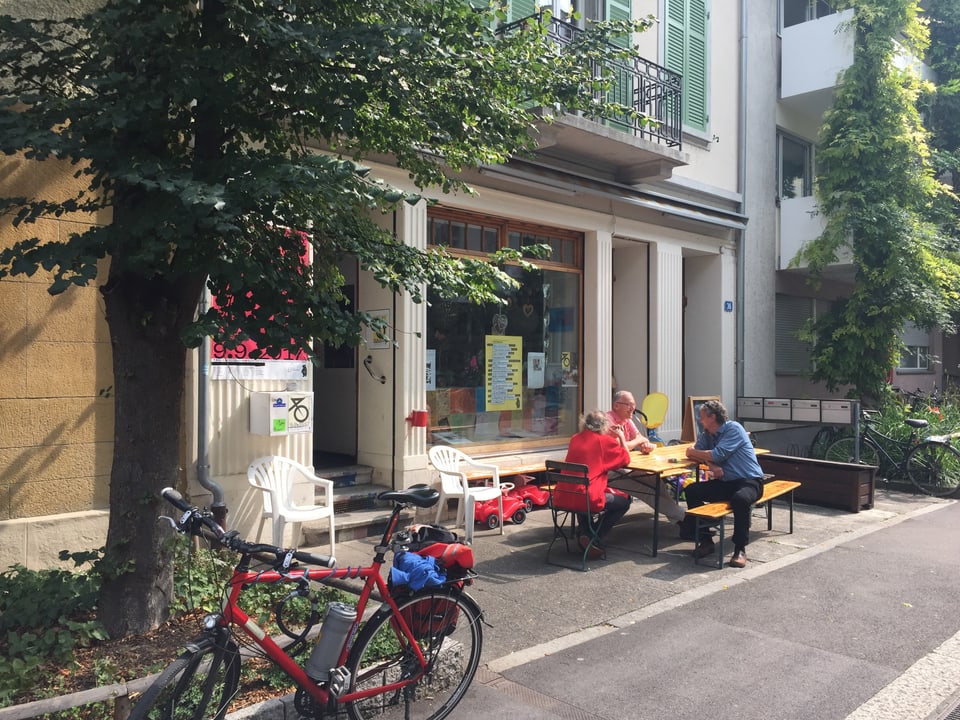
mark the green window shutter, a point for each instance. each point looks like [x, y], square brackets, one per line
[619, 10]
[521, 8]
[695, 70]
[622, 91]
[685, 52]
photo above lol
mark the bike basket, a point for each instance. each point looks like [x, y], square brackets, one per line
[431, 617]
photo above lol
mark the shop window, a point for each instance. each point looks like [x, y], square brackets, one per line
[507, 374]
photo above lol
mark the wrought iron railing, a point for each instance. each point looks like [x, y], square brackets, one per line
[653, 92]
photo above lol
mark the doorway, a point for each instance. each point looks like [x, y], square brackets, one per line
[335, 394]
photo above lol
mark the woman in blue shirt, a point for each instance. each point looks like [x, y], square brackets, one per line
[735, 477]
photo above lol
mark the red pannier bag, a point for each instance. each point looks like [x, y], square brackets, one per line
[436, 616]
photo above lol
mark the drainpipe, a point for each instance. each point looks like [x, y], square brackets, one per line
[218, 507]
[742, 183]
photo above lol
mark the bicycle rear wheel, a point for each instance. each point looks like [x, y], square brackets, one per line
[197, 685]
[447, 626]
[843, 451]
[934, 468]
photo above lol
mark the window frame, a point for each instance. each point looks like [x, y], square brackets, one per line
[572, 266]
[809, 161]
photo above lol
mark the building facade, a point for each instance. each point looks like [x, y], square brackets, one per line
[653, 283]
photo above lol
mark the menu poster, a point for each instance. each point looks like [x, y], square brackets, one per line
[504, 372]
[536, 363]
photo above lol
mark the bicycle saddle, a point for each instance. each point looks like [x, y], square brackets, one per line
[422, 496]
[916, 422]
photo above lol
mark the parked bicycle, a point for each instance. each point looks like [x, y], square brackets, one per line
[413, 657]
[932, 463]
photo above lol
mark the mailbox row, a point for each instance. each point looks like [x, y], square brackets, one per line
[828, 412]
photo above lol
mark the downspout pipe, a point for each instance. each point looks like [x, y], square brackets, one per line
[742, 208]
[219, 506]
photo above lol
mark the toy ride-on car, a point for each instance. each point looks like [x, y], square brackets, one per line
[532, 496]
[514, 508]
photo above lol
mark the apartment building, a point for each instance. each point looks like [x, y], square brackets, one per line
[785, 106]
[648, 287]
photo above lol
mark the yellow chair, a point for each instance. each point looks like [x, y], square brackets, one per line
[653, 411]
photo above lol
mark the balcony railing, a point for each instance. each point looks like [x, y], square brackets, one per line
[654, 92]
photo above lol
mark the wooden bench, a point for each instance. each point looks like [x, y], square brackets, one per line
[715, 514]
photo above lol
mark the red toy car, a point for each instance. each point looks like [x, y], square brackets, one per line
[513, 508]
[532, 495]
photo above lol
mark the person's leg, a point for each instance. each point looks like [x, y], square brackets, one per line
[614, 509]
[701, 493]
[741, 500]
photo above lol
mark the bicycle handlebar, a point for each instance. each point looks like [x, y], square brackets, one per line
[194, 521]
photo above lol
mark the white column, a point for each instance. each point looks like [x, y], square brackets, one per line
[666, 332]
[411, 353]
[597, 363]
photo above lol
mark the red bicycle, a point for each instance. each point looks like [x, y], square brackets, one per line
[412, 657]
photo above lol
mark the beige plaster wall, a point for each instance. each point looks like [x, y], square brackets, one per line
[56, 382]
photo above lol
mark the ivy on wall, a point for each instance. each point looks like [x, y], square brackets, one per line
[883, 205]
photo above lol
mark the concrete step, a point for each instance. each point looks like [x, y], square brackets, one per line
[357, 513]
[347, 475]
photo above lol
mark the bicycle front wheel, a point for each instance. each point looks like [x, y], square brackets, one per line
[197, 685]
[447, 626]
[843, 451]
[934, 468]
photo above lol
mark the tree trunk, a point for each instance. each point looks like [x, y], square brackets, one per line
[149, 363]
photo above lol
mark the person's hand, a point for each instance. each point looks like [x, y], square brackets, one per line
[617, 432]
[646, 447]
[690, 453]
[716, 472]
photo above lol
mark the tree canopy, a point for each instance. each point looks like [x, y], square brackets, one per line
[199, 127]
[884, 207]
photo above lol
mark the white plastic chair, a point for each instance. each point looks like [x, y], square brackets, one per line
[453, 484]
[275, 476]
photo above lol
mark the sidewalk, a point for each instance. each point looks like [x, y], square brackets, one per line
[808, 629]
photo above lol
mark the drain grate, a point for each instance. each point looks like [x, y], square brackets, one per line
[355, 504]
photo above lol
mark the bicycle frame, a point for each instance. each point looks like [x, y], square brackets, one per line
[231, 614]
[881, 442]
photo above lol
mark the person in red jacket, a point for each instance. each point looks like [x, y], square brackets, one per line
[602, 447]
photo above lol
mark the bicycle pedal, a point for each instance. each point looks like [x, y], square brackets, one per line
[339, 681]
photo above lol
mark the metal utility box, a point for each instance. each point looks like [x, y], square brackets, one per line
[776, 408]
[281, 413]
[836, 412]
[750, 408]
[805, 411]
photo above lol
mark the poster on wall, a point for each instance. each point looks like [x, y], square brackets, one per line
[431, 368]
[535, 367]
[504, 372]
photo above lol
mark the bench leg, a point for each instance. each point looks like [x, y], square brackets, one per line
[698, 524]
[723, 527]
[790, 499]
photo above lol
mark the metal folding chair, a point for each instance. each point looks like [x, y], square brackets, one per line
[569, 485]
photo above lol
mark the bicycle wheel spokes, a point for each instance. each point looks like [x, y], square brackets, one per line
[449, 634]
[198, 685]
[843, 451]
[934, 468]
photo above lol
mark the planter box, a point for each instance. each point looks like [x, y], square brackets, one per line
[845, 485]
